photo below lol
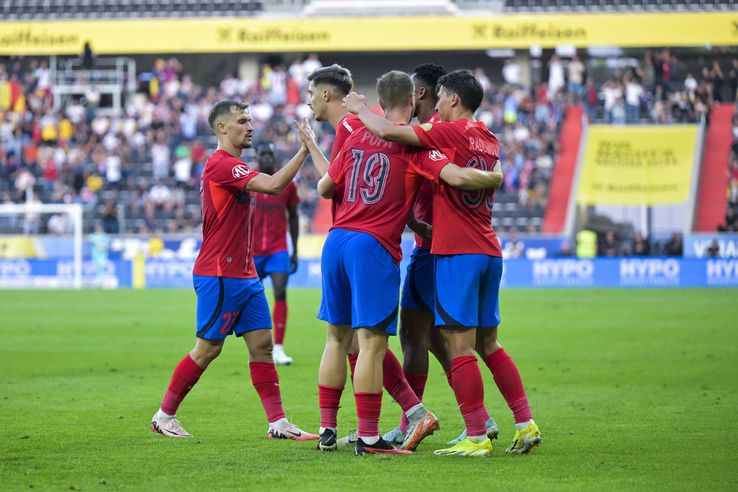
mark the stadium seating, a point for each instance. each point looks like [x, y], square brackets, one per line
[617, 5]
[92, 9]
[86, 9]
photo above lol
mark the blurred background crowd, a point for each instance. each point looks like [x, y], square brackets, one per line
[149, 156]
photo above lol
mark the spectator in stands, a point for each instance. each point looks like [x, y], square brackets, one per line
[511, 72]
[575, 69]
[514, 248]
[731, 221]
[674, 246]
[713, 251]
[717, 80]
[555, 76]
[640, 245]
[612, 94]
[311, 64]
[610, 245]
[633, 93]
[565, 250]
[58, 224]
[87, 57]
[733, 81]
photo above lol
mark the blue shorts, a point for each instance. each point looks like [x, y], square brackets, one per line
[230, 305]
[417, 291]
[278, 262]
[361, 282]
[468, 291]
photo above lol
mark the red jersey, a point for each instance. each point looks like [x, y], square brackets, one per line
[463, 222]
[345, 128]
[270, 221]
[380, 180]
[423, 206]
[226, 218]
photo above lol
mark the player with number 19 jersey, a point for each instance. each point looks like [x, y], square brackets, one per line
[361, 276]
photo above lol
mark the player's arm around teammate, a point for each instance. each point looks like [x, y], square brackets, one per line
[463, 178]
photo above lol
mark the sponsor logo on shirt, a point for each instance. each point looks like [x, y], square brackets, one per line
[437, 155]
[240, 171]
[348, 127]
[426, 126]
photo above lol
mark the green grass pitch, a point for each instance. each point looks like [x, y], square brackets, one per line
[631, 389]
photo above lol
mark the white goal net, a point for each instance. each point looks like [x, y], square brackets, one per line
[41, 245]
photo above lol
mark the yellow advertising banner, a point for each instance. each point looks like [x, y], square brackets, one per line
[637, 165]
[219, 35]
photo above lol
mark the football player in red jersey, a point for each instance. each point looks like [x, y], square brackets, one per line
[230, 297]
[272, 214]
[468, 262]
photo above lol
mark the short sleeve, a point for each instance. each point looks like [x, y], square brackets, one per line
[434, 135]
[233, 174]
[429, 163]
[335, 170]
[341, 135]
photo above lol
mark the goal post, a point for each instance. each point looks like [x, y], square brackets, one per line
[27, 220]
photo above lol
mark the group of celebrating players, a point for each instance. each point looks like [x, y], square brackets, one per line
[438, 177]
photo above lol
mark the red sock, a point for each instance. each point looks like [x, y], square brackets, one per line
[352, 358]
[396, 384]
[469, 390]
[507, 379]
[417, 383]
[279, 317]
[266, 381]
[368, 408]
[329, 398]
[184, 378]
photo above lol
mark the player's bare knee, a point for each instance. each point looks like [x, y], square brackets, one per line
[280, 293]
[205, 352]
[487, 342]
[259, 344]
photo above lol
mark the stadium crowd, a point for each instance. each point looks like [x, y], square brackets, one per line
[150, 156]
[731, 209]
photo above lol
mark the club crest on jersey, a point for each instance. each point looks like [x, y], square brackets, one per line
[426, 126]
[240, 171]
[437, 155]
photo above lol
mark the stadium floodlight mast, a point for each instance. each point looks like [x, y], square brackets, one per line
[72, 210]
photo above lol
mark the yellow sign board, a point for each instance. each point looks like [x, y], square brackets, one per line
[637, 165]
[218, 35]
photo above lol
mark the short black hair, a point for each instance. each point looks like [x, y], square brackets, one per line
[224, 107]
[334, 75]
[428, 74]
[463, 84]
[394, 89]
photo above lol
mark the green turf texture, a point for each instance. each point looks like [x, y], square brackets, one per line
[631, 389]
